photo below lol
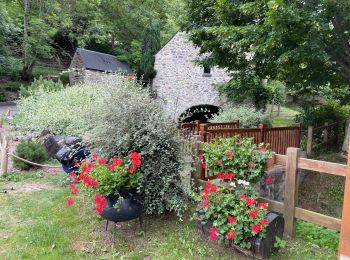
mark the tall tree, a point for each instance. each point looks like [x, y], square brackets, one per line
[305, 44]
[150, 46]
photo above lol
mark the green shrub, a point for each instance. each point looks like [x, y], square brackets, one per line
[30, 151]
[134, 122]
[248, 116]
[40, 84]
[52, 107]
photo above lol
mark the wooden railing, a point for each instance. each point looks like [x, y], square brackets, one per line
[293, 162]
[193, 128]
[279, 138]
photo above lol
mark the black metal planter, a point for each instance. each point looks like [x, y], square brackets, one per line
[261, 248]
[130, 208]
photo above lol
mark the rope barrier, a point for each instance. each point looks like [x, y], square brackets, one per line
[33, 163]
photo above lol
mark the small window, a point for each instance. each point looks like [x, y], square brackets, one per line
[206, 70]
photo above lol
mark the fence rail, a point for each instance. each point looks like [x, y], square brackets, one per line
[193, 128]
[293, 162]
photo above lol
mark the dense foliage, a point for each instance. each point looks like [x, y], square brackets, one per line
[30, 151]
[308, 51]
[136, 123]
[248, 116]
[232, 209]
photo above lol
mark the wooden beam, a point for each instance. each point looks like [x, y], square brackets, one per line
[290, 191]
[309, 141]
[321, 166]
[281, 159]
[344, 242]
[317, 218]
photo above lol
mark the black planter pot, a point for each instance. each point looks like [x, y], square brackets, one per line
[261, 248]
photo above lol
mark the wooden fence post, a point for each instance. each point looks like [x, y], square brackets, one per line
[344, 242]
[4, 156]
[198, 173]
[203, 132]
[298, 138]
[237, 123]
[290, 191]
[197, 125]
[261, 135]
[309, 141]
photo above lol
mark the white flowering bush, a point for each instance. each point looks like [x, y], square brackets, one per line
[248, 116]
[61, 111]
[128, 119]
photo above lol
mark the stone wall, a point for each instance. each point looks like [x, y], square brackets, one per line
[180, 83]
[76, 70]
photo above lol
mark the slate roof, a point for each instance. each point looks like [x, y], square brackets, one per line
[102, 62]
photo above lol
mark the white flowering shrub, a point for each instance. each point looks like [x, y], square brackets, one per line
[62, 111]
[128, 119]
[248, 116]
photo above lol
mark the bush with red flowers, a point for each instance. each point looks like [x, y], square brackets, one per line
[236, 159]
[232, 208]
[235, 215]
[101, 177]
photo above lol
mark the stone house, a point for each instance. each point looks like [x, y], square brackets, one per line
[92, 67]
[182, 85]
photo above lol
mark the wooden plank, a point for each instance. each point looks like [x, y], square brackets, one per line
[309, 141]
[344, 242]
[317, 218]
[273, 205]
[281, 159]
[290, 192]
[321, 166]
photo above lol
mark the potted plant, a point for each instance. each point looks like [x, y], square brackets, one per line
[230, 212]
[113, 185]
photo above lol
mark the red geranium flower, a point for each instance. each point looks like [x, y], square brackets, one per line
[205, 197]
[231, 234]
[136, 162]
[262, 205]
[102, 161]
[221, 175]
[241, 196]
[208, 184]
[250, 201]
[72, 174]
[213, 230]
[132, 169]
[73, 188]
[231, 219]
[90, 166]
[206, 190]
[206, 205]
[200, 157]
[264, 221]
[70, 201]
[253, 213]
[135, 156]
[229, 153]
[213, 189]
[94, 156]
[86, 180]
[269, 180]
[219, 161]
[214, 236]
[204, 165]
[256, 228]
[251, 165]
[94, 183]
[111, 167]
[118, 162]
[263, 149]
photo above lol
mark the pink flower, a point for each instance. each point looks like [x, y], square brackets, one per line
[118, 162]
[73, 189]
[219, 161]
[206, 205]
[213, 230]
[208, 184]
[213, 236]
[231, 234]
[263, 149]
[231, 219]
[213, 189]
[132, 169]
[204, 165]
[70, 201]
[94, 156]
[241, 196]
[256, 228]
[94, 183]
[205, 197]
[269, 180]
[136, 162]
[111, 167]
[200, 157]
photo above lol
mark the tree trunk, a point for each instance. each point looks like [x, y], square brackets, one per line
[27, 72]
[347, 138]
[27, 68]
[272, 105]
[279, 109]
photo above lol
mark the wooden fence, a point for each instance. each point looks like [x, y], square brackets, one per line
[293, 162]
[190, 129]
[279, 138]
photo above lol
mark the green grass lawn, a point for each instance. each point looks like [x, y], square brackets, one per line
[36, 223]
[286, 117]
